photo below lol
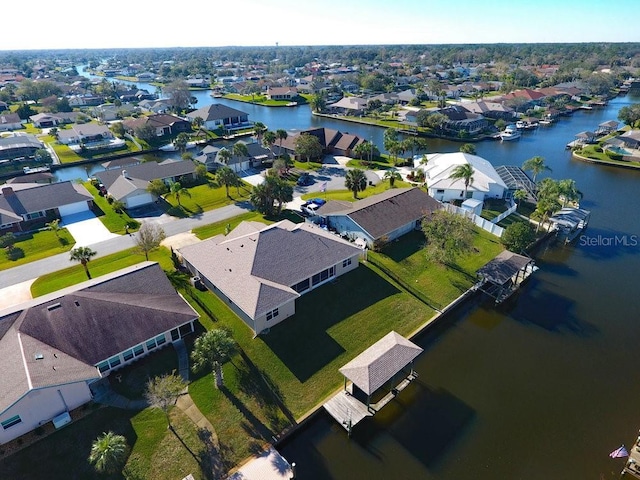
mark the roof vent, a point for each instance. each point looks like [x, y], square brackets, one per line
[77, 303]
[54, 306]
[39, 356]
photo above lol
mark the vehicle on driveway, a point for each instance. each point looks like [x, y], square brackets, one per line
[304, 180]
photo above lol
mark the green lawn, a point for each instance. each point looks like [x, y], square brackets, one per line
[115, 222]
[207, 196]
[347, 195]
[35, 246]
[218, 228]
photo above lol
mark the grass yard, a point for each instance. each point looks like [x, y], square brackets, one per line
[156, 452]
[218, 228]
[347, 195]
[73, 275]
[35, 246]
[207, 196]
[115, 222]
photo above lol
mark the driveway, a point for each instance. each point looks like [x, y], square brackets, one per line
[86, 229]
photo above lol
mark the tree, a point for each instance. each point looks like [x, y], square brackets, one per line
[390, 138]
[163, 391]
[117, 129]
[227, 177]
[108, 452]
[392, 175]
[157, 187]
[268, 139]
[212, 350]
[149, 237]
[520, 195]
[201, 171]
[145, 132]
[270, 196]
[198, 122]
[630, 115]
[568, 191]
[259, 130]
[280, 136]
[536, 165]
[355, 180]
[43, 155]
[178, 93]
[83, 255]
[177, 190]
[361, 149]
[224, 155]
[448, 235]
[518, 236]
[54, 226]
[463, 172]
[240, 151]
[180, 142]
[307, 146]
[469, 148]
[318, 102]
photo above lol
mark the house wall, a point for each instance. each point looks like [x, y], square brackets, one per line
[38, 407]
[450, 195]
[284, 311]
[345, 226]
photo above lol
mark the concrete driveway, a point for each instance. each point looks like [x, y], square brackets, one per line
[86, 229]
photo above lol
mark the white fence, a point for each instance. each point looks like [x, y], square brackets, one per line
[505, 214]
[479, 221]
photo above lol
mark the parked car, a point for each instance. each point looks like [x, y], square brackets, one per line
[305, 179]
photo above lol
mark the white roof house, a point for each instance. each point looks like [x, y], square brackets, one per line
[440, 166]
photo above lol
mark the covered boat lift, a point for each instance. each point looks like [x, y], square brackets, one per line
[368, 373]
[503, 275]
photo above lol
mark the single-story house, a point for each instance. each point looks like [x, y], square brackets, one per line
[349, 106]
[19, 145]
[260, 270]
[460, 119]
[380, 218]
[493, 110]
[86, 133]
[487, 183]
[10, 121]
[24, 207]
[48, 120]
[631, 138]
[108, 112]
[129, 185]
[217, 116]
[163, 123]
[331, 141]
[282, 93]
[161, 105]
[208, 156]
[55, 346]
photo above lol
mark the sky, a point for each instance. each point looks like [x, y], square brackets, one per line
[80, 24]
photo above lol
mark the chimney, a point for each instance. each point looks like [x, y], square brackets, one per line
[8, 191]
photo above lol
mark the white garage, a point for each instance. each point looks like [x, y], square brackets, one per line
[137, 199]
[70, 209]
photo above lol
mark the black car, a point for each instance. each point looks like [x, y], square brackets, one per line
[305, 179]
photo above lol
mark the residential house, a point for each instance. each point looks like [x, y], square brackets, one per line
[260, 270]
[348, 106]
[492, 110]
[217, 116]
[381, 218]
[129, 185]
[459, 119]
[162, 105]
[109, 112]
[49, 120]
[9, 122]
[333, 142]
[407, 96]
[163, 123]
[281, 93]
[208, 157]
[24, 207]
[19, 146]
[487, 183]
[85, 100]
[56, 346]
[88, 135]
[631, 138]
[198, 82]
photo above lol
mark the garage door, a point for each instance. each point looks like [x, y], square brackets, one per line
[72, 208]
[138, 200]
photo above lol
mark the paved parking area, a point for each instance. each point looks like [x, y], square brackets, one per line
[86, 229]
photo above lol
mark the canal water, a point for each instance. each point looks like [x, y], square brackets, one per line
[543, 388]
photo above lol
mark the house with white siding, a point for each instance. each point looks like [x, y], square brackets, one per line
[55, 346]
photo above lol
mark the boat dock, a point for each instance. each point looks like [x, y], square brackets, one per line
[632, 468]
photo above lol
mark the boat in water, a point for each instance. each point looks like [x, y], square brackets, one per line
[170, 147]
[510, 133]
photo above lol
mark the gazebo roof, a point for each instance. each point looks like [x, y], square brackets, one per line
[504, 266]
[380, 362]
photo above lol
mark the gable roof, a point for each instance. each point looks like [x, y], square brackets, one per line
[76, 328]
[380, 362]
[256, 265]
[440, 166]
[216, 111]
[42, 197]
[381, 214]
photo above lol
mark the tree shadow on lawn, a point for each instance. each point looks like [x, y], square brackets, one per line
[302, 342]
[406, 246]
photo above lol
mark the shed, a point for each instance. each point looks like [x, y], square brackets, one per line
[473, 205]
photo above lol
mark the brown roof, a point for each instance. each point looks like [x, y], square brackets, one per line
[504, 266]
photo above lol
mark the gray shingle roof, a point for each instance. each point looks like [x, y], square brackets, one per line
[145, 172]
[42, 197]
[381, 214]
[216, 111]
[504, 266]
[377, 364]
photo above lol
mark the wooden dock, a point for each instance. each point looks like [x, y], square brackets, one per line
[348, 411]
[633, 463]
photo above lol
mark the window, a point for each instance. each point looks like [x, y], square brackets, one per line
[33, 215]
[301, 286]
[272, 314]
[161, 339]
[346, 263]
[138, 350]
[127, 355]
[186, 329]
[175, 335]
[151, 344]
[114, 361]
[440, 190]
[103, 367]
[11, 422]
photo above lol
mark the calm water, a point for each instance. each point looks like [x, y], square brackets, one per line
[543, 389]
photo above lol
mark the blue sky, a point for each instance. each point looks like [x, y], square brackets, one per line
[145, 23]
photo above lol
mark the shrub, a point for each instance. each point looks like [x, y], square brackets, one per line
[518, 236]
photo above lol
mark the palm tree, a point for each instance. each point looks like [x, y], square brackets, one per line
[356, 181]
[227, 177]
[392, 175]
[54, 226]
[463, 172]
[108, 452]
[224, 155]
[568, 191]
[281, 135]
[181, 141]
[468, 148]
[520, 195]
[83, 255]
[212, 349]
[259, 129]
[268, 139]
[536, 166]
[177, 190]
[240, 150]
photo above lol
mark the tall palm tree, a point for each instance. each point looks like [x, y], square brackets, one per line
[281, 135]
[83, 255]
[177, 190]
[180, 142]
[224, 155]
[463, 172]
[227, 177]
[259, 129]
[108, 452]
[212, 350]
[536, 165]
[356, 181]
[268, 139]
[241, 151]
